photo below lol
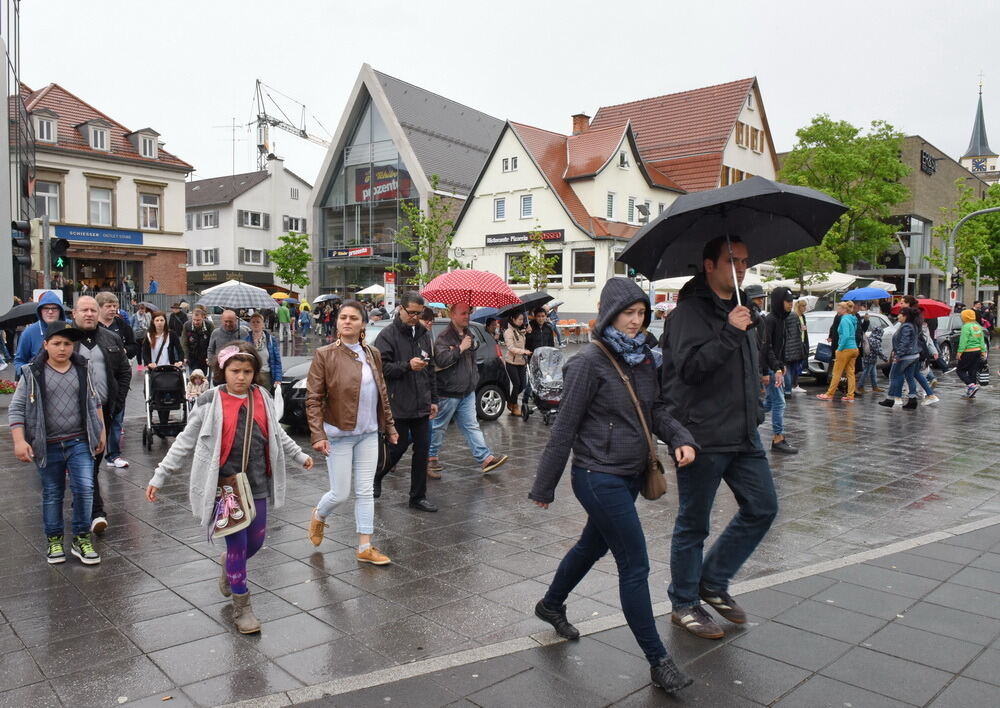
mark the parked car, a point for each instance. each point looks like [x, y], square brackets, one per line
[490, 398]
[949, 331]
[818, 324]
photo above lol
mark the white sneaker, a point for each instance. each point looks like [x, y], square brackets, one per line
[118, 463]
[3, 365]
[930, 401]
[798, 389]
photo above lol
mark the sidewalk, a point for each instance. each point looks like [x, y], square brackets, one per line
[913, 628]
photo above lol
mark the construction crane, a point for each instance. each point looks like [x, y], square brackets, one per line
[265, 121]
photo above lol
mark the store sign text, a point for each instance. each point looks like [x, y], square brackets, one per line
[348, 252]
[551, 236]
[388, 183]
[98, 235]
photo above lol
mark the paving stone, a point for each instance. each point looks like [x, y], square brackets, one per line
[37, 695]
[65, 656]
[858, 598]
[806, 587]
[978, 578]
[170, 630]
[914, 564]
[881, 673]
[324, 591]
[768, 602]
[241, 685]
[829, 621]
[409, 639]
[985, 668]
[361, 613]
[951, 622]
[36, 631]
[886, 580]
[963, 693]
[341, 657]
[139, 608]
[18, 668]
[988, 561]
[421, 688]
[423, 594]
[289, 634]
[923, 647]
[792, 646]
[467, 679]
[753, 676]
[96, 685]
[204, 658]
[697, 694]
[822, 692]
[538, 689]
[973, 600]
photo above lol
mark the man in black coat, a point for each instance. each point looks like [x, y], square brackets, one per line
[409, 377]
[711, 384]
[177, 320]
[772, 378]
[111, 376]
[541, 333]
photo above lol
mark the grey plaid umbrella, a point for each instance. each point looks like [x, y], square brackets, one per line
[235, 294]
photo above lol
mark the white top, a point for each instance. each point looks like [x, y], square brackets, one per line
[161, 354]
[367, 401]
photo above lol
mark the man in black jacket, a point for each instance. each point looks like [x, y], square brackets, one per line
[456, 377]
[111, 375]
[542, 333]
[711, 384]
[111, 320]
[773, 367]
[178, 318]
[409, 377]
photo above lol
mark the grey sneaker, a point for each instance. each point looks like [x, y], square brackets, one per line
[667, 676]
[83, 548]
[55, 553]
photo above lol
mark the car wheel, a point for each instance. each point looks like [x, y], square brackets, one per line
[944, 355]
[489, 402]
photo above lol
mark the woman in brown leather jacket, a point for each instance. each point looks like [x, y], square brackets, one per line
[347, 407]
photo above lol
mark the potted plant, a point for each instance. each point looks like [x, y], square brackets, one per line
[6, 392]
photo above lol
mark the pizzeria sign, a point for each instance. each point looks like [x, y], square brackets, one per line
[549, 236]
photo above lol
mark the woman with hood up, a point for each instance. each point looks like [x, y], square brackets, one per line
[599, 423]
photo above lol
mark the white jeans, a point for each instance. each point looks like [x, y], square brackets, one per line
[284, 330]
[355, 455]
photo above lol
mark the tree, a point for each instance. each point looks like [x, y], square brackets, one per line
[979, 237]
[428, 236]
[535, 265]
[862, 169]
[291, 259]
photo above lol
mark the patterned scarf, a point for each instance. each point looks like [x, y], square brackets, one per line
[633, 350]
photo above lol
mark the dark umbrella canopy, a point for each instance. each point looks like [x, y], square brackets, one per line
[18, 315]
[771, 218]
[528, 303]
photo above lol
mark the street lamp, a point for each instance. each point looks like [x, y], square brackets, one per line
[950, 265]
[905, 247]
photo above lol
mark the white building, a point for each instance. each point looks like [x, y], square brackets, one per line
[233, 221]
[586, 192]
[116, 195]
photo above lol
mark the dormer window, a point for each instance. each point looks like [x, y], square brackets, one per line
[623, 160]
[147, 146]
[99, 139]
[45, 130]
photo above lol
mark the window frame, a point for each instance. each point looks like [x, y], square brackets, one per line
[623, 162]
[581, 278]
[105, 140]
[293, 192]
[528, 199]
[741, 134]
[630, 210]
[248, 260]
[610, 210]
[203, 215]
[47, 197]
[189, 221]
[52, 136]
[499, 208]
[147, 210]
[149, 140]
[90, 206]
[207, 256]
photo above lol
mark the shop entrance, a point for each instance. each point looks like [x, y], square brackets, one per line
[105, 274]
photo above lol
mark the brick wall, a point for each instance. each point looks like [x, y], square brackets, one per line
[163, 265]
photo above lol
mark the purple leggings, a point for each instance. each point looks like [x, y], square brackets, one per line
[243, 545]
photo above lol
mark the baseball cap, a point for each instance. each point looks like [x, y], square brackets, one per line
[754, 291]
[63, 329]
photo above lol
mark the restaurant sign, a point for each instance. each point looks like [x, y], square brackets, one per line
[549, 236]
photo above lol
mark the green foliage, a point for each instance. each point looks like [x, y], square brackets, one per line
[428, 236]
[535, 265]
[291, 259]
[810, 265]
[862, 169]
[978, 237]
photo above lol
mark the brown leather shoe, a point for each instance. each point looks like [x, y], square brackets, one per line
[373, 555]
[434, 468]
[515, 410]
[316, 527]
[697, 621]
[493, 461]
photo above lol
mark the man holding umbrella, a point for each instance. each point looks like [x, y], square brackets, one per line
[711, 382]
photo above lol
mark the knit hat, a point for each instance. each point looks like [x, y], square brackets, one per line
[968, 315]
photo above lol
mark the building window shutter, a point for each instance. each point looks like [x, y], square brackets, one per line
[197, 257]
[266, 222]
[190, 259]
[215, 223]
[267, 257]
[241, 217]
[215, 254]
[284, 224]
[304, 229]
[242, 256]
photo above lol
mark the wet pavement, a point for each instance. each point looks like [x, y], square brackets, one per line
[148, 622]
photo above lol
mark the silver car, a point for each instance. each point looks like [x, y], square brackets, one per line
[818, 325]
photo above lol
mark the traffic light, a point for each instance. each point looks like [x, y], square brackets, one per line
[632, 272]
[25, 235]
[57, 250]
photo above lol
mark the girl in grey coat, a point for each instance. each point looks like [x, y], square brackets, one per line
[211, 445]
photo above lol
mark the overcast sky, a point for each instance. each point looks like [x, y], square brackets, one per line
[186, 68]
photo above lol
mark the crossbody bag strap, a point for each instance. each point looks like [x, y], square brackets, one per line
[246, 432]
[631, 393]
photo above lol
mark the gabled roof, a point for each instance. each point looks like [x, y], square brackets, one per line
[588, 152]
[684, 134]
[979, 146]
[73, 112]
[449, 139]
[221, 190]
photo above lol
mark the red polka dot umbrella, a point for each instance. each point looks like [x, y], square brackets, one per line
[475, 288]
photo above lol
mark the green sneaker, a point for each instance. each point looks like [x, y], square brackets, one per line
[56, 553]
[83, 548]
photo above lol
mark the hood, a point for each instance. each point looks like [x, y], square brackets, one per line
[778, 298]
[617, 294]
[968, 315]
[49, 298]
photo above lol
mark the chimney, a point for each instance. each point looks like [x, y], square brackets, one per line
[581, 121]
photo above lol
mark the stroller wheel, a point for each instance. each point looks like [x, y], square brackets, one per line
[525, 411]
[547, 418]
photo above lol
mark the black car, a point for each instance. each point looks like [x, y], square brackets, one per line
[490, 394]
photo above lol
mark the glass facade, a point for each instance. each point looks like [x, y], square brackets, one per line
[360, 212]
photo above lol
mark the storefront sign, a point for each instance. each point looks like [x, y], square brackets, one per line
[97, 234]
[221, 276]
[348, 252]
[389, 298]
[388, 183]
[550, 236]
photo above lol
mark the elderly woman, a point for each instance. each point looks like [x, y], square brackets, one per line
[268, 351]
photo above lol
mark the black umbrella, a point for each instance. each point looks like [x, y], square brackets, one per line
[528, 303]
[19, 315]
[771, 218]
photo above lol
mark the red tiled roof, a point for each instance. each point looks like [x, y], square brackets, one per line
[696, 173]
[549, 152]
[73, 111]
[681, 124]
[589, 151]
[603, 227]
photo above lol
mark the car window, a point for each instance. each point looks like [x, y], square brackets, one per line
[819, 322]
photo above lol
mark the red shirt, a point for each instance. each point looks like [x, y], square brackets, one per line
[231, 414]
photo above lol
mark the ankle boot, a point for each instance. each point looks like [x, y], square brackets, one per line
[515, 410]
[243, 617]
[224, 579]
[910, 405]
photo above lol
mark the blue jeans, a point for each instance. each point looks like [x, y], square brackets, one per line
[352, 456]
[747, 474]
[869, 373]
[903, 370]
[774, 402]
[792, 371]
[115, 437]
[464, 412]
[71, 456]
[612, 522]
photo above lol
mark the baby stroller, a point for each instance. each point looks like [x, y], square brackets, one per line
[545, 379]
[165, 388]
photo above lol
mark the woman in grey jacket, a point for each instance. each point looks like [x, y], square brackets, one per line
[599, 422]
[211, 443]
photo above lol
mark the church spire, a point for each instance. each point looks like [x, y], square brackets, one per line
[979, 146]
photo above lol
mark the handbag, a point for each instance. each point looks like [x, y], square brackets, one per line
[824, 352]
[654, 481]
[382, 466]
[983, 377]
[234, 507]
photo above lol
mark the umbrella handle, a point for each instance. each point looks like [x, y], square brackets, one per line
[732, 264]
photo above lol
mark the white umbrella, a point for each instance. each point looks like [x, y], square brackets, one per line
[671, 284]
[236, 294]
[882, 284]
[372, 290]
[829, 283]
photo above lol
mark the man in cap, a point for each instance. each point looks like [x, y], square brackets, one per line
[711, 383]
[177, 319]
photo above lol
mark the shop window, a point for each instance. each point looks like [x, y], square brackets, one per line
[527, 206]
[294, 193]
[208, 220]
[611, 205]
[499, 209]
[515, 268]
[47, 199]
[99, 139]
[100, 206]
[149, 211]
[583, 266]
[45, 130]
[253, 256]
[293, 223]
[253, 219]
[147, 147]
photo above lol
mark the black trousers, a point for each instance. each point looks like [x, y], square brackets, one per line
[968, 367]
[518, 380]
[418, 432]
[98, 508]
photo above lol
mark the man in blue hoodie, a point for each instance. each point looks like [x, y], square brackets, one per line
[50, 309]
